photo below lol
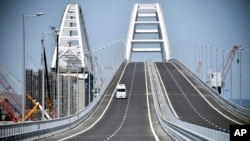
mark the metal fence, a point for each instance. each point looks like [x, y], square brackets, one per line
[39, 129]
[236, 109]
[178, 129]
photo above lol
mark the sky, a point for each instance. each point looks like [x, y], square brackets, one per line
[216, 23]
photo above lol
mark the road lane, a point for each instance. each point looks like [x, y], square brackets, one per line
[188, 103]
[136, 126]
[86, 125]
[126, 119]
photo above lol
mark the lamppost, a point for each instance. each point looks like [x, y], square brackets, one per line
[217, 70]
[206, 64]
[24, 18]
[43, 65]
[223, 58]
[69, 77]
[77, 90]
[240, 76]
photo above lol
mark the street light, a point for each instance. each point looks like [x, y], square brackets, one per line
[56, 37]
[241, 49]
[223, 58]
[55, 32]
[24, 18]
[43, 66]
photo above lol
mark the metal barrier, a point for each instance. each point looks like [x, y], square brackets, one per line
[236, 109]
[179, 130]
[40, 129]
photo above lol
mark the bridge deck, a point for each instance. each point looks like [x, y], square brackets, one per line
[189, 104]
[125, 119]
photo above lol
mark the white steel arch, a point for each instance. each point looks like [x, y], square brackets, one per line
[147, 28]
[73, 47]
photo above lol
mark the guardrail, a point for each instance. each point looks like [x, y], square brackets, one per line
[236, 109]
[40, 129]
[177, 129]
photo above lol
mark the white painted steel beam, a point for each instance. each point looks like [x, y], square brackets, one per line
[147, 41]
[146, 6]
[166, 53]
[147, 22]
[72, 41]
[146, 15]
[146, 31]
[147, 49]
[143, 26]
[69, 38]
[70, 20]
[70, 28]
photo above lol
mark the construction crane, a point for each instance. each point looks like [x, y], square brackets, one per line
[36, 106]
[49, 97]
[12, 95]
[217, 78]
[6, 106]
[10, 102]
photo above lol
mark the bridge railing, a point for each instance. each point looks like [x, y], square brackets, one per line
[236, 109]
[202, 60]
[40, 129]
[178, 129]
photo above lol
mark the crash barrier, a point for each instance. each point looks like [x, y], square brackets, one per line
[177, 129]
[234, 108]
[40, 129]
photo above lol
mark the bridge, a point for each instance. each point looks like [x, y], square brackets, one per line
[167, 100]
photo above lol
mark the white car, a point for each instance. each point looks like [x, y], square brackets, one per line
[121, 91]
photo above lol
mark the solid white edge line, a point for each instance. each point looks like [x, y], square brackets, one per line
[205, 98]
[149, 114]
[171, 106]
[101, 114]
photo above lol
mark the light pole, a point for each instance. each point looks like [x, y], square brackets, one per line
[43, 66]
[240, 77]
[206, 65]
[101, 65]
[223, 83]
[77, 90]
[24, 18]
[69, 77]
[217, 70]
[56, 37]
[88, 53]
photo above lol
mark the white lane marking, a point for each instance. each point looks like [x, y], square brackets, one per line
[205, 98]
[190, 104]
[171, 106]
[101, 114]
[125, 114]
[149, 114]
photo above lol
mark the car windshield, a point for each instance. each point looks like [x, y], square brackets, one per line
[121, 90]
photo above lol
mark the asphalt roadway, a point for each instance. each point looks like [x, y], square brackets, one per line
[193, 104]
[121, 119]
[128, 119]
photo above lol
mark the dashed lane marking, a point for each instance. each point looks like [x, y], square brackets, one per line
[92, 125]
[126, 111]
[190, 104]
